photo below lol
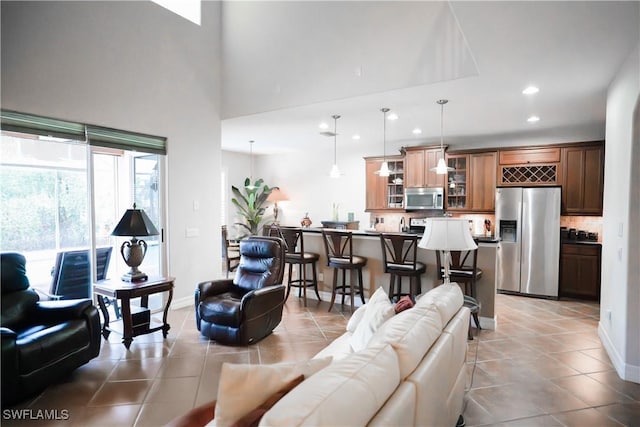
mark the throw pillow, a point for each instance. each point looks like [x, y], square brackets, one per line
[379, 309]
[243, 387]
[403, 304]
[356, 318]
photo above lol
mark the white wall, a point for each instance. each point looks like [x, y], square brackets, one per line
[138, 67]
[620, 252]
[305, 178]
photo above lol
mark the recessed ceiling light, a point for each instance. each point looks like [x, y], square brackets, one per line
[530, 90]
[392, 116]
[533, 119]
[356, 136]
[417, 131]
[323, 125]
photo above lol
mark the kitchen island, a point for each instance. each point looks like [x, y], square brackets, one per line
[367, 244]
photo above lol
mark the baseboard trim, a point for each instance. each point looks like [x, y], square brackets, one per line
[488, 323]
[625, 371]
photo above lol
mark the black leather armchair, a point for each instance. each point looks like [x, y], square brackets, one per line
[247, 308]
[42, 341]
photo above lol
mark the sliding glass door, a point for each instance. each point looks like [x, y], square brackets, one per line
[62, 197]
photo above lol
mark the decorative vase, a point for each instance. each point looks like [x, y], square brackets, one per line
[306, 221]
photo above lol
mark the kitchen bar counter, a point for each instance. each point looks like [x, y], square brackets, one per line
[367, 244]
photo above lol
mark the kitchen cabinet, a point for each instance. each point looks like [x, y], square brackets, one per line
[534, 166]
[384, 192]
[582, 179]
[482, 182]
[418, 164]
[580, 270]
[457, 188]
[472, 183]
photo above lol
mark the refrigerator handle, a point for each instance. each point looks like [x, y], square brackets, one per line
[521, 229]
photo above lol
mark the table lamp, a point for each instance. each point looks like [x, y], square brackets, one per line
[134, 223]
[447, 234]
[276, 195]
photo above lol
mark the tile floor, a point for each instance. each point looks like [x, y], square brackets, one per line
[543, 366]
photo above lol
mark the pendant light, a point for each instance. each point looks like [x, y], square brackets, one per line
[335, 171]
[441, 168]
[384, 168]
[250, 185]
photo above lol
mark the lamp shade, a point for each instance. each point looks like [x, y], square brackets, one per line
[277, 195]
[135, 222]
[447, 234]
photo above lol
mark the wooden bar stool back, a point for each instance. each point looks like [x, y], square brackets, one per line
[295, 254]
[339, 251]
[399, 258]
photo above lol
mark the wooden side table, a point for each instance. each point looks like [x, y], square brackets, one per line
[134, 323]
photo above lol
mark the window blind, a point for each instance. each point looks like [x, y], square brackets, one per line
[95, 135]
[29, 123]
[114, 138]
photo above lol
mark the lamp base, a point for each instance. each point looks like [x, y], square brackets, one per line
[138, 276]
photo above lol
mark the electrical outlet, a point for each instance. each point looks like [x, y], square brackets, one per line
[608, 312]
[321, 277]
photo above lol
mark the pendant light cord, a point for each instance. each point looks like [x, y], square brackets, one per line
[384, 133]
[251, 162]
[335, 139]
[442, 102]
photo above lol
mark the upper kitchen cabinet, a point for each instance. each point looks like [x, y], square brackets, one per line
[482, 181]
[457, 182]
[418, 164]
[472, 182]
[583, 179]
[529, 167]
[384, 192]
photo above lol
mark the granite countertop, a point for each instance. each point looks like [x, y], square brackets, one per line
[375, 233]
[579, 242]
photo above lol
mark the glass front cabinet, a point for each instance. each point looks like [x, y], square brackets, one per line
[457, 180]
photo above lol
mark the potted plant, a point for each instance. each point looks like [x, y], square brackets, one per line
[251, 205]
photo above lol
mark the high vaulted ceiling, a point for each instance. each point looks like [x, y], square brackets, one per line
[288, 66]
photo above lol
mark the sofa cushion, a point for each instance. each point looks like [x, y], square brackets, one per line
[410, 333]
[338, 349]
[243, 387]
[378, 310]
[448, 299]
[349, 392]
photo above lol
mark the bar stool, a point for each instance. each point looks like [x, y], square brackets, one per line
[294, 238]
[338, 247]
[462, 273]
[399, 253]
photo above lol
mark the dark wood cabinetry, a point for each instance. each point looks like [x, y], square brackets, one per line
[482, 182]
[418, 165]
[470, 187]
[580, 271]
[531, 166]
[457, 182]
[472, 183]
[384, 192]
[582, 179]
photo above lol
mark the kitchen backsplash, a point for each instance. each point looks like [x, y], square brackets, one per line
[588, 223]
[391, 222]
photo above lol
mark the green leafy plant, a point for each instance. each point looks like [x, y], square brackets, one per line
[251, 204]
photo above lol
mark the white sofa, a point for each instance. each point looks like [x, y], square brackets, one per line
[412, 372]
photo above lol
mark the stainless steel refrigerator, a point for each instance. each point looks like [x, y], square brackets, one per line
[528, 223]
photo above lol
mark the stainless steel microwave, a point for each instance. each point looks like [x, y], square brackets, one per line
[424, 198]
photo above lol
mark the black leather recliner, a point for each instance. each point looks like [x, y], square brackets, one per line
[247, 308]
[42, 341]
